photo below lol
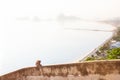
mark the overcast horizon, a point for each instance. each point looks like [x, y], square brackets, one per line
[85, 9]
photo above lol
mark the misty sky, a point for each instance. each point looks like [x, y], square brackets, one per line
[87, 9]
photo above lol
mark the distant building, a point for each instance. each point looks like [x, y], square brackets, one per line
[115, 45]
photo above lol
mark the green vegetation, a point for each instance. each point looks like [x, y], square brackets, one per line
[90, 58]
[109, 54]
[105, 52]
[101, 48]
[113, 53]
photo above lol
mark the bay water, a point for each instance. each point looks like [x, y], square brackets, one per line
[53, 42]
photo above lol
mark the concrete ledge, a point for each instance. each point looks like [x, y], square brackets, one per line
[104, 70]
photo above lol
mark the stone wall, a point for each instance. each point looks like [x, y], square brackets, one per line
[97, 70]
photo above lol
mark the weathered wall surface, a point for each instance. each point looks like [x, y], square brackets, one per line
[98, 70]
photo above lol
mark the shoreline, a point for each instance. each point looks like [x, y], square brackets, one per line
[93, 52]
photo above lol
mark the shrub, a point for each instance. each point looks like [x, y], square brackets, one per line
[90, 58]
[113, 53]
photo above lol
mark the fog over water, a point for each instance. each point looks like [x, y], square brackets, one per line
[53, 42]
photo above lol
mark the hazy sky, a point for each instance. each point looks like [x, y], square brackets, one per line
[88, 9]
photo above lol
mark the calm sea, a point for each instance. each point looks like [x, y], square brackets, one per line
[53, 42]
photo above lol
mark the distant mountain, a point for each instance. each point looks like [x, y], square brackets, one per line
[114, 21]
[64, 17]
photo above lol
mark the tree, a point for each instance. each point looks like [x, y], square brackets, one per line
[113, 53]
